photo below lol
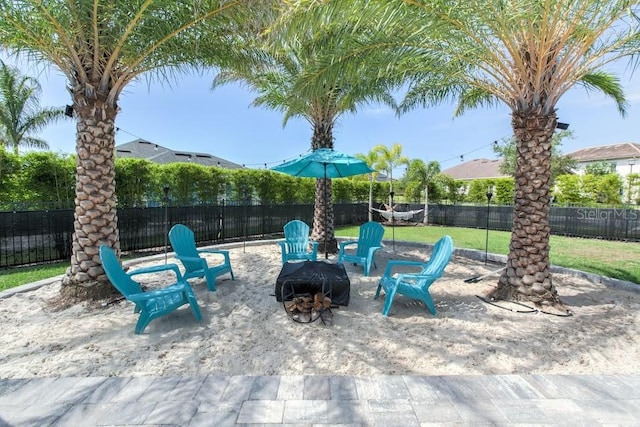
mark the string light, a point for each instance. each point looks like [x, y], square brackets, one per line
[461, 156]
[266, 164]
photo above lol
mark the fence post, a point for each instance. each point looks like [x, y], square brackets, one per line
[486, 243]
[166, 220]
[221, 222]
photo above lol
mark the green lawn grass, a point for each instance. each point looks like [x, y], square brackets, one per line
[12, 277]
[620, 260]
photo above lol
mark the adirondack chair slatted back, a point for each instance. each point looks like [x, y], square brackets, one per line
[370, 235]
[296, 244]
[184, 245]
[368, 243]
[440, 257]
[296, 235]
[116, 274]
[195, 266]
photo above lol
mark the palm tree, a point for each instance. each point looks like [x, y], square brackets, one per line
[423, 174]
[523, 53]
[276, 69]
[101, 46]
[20, 113]
[371, 158]
[388, 160]
[526, 54]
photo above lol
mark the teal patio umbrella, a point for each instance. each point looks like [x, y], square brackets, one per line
[324, 163]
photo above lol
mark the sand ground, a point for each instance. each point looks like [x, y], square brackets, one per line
[245, 331]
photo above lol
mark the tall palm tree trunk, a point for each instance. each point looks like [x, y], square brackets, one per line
[323, 211]
[527, 276]
[95, 219]
[425, 220]
[323, 228]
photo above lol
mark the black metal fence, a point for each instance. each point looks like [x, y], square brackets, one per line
[33, 237]
[589, 222]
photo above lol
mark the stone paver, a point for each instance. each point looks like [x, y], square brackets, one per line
[321, 401]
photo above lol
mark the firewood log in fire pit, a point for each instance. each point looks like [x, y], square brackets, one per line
[305, 304]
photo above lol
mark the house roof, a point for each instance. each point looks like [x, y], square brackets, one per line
[476, 169]
[606, 152]
[141, 149]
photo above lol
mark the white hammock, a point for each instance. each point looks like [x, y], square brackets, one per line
[397, 215]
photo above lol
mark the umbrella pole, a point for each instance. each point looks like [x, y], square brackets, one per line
[326, 249]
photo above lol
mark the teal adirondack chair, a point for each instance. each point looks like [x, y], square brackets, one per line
[416, 286]
[150, 304]
[295, 245]
[368, 243]
[184, 245]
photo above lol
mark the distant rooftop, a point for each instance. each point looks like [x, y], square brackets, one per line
[606, 152]
[141, 149]
[476, 169]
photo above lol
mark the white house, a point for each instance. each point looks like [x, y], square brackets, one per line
[624, 157]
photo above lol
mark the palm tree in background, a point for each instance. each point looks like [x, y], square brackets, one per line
[388, 160]
[422, 175]
[371, 159]
[20, 113]
[101, 46]
[275, 68]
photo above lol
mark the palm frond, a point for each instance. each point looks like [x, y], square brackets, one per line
[609, 85]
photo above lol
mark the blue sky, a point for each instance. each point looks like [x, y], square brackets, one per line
[187, 115]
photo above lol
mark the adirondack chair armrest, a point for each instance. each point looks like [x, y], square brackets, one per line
[416, 277]
[394, 263]
[347, 243]
[314, 244]
[140, 298]
[215, 251]
[373, 250]
[157, 269]
[192, 259]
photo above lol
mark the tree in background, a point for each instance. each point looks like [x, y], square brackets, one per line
[21, 116]
[9, 168]
[389, 159]
[49, 178]
[420, 177]
[633, 188]
[589, 189]
[135, 179]
[501, 190]
[371, 158]
[453, 189]
[604, 189]
[600, 168]
[101, 46]
[568, 189]
[560, 164]
[275, 69]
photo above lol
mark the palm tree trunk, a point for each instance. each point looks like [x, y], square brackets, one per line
[95, 219]
[323, 228]
[425, 220]
[527, 276]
